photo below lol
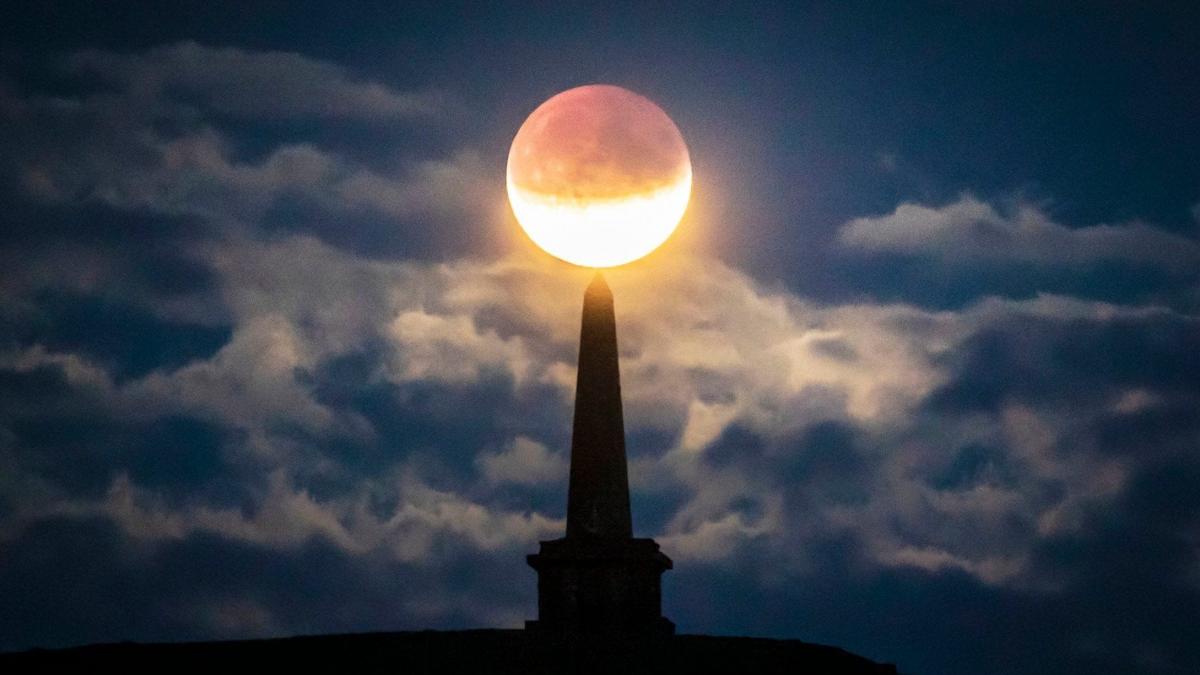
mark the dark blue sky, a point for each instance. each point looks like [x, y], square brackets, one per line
[917, 376]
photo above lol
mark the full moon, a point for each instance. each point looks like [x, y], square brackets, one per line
[599, 176]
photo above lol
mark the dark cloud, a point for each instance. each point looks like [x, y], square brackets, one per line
[1049, 361]
[209, 587]
[128, 340]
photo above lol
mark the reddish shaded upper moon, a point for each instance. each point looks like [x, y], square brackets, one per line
[597, 142]
[599, 176]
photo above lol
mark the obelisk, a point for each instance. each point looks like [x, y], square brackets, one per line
[599, 580]
[598, 494]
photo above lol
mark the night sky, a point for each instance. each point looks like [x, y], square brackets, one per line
[918, 376]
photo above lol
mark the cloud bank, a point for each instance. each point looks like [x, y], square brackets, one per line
[226, 409]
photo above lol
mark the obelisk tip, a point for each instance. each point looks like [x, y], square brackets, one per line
[598, 285]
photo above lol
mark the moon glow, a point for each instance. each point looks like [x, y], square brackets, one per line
[599, 176]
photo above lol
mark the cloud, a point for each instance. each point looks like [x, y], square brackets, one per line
[250, 383]
[286, 517]
[156, 146]
[453, 349]
[970, 231]
[253, 84]
[378, 437]
[946, 437]
[717, 539]
[524, 462]
[197, 175]
[767, 432]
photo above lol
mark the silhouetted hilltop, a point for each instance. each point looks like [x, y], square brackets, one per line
[471, 651]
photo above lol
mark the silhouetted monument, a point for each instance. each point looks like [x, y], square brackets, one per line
[599, 589]
[599, 579]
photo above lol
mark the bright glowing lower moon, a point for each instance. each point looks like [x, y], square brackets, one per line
[599, 176]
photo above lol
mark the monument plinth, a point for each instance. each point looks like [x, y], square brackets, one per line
[599, 579]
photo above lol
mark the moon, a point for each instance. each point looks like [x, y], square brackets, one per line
[599, 176]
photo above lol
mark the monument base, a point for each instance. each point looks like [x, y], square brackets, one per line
[600, 587]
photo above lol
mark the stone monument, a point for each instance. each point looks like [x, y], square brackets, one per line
[599, 580]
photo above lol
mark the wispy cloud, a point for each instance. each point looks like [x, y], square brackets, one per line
[258, 84]
[970, 231]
